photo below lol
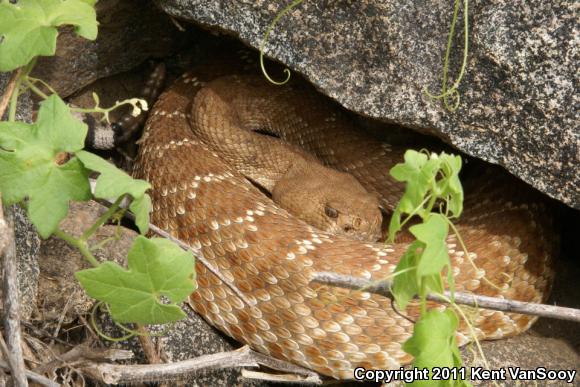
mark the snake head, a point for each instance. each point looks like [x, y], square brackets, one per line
[356, 217]
[331, 201]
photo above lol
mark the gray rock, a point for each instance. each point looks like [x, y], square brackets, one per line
[527, 352]
[27, 240]
[130, 32]
[519, 103]
[27, 246]
[553, 344]
[193, 337]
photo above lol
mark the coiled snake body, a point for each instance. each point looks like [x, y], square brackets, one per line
[200, 196]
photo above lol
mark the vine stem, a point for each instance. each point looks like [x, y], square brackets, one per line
[466, 252]
[284, 11]
[465, 43]
[102, 243]
[444, 89]
[100, 332]
[20, 75]
[45, 84]
[471, 331]
[35, 89]
[445, 92]
[430, 206]
[415, 211]
[79, 244]
[102, 219]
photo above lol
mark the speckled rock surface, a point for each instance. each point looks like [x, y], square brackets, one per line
[519, 102]
[130, 32]
[27, 240]
[27, 246]
[553, 344]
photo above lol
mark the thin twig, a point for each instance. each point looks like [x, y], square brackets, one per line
[34, 377]
[11, 362]
[486, 302]
[89, 328]
[281, 378]
[82, 353]
[62, 316]
[38, 333]
[5, 99]
[148, 346]
[243, 357]
[11, 298]
[177, 24]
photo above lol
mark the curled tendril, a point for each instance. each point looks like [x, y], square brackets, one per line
[45, 84]
[130, 332]
[103, 334]
[146, 333]
[286, 9]
[451, 92]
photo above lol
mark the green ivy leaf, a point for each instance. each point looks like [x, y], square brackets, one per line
[433, 233]
[157, 267]
[406, 285]
[452, 187]
[28, 28]
[141, 207]
[434, 175]
[433, 344]
[418, 172]
[49, 206]
[428, 178]
[112, 183]
[15, 134]
[32, 164]
[409, 283]
[412, 172]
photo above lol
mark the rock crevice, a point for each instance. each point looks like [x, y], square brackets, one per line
[519, 104]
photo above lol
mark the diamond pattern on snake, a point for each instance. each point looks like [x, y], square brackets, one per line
[206, 155]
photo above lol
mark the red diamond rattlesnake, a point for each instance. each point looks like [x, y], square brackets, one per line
[270, 256]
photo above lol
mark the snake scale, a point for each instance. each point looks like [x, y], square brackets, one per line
[201, 194]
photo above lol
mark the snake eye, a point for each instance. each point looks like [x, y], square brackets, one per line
[330, 212]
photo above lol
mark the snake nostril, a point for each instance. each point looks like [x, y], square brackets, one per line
[348, 228]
